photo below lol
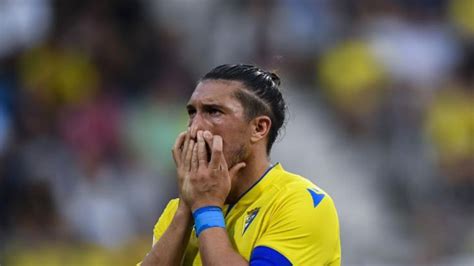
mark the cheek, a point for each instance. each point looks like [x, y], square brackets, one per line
[235, 139]
[234, 133]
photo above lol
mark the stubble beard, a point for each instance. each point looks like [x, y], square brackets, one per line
[239, 155]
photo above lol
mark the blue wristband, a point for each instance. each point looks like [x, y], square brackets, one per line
[208, 217]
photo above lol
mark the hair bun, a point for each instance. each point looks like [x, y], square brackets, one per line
[275, 78]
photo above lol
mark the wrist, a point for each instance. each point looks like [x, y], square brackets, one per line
[208, 217]
[183, 207]
[200, 204]
[183, 215]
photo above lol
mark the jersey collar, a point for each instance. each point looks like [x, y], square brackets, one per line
[257, 188]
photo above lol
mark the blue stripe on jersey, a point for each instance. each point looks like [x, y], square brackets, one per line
[317, 198]
[265, 256]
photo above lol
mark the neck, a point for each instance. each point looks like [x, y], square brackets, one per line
[256, 165]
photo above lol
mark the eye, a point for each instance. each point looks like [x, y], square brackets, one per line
[191, 112]
[214, 111]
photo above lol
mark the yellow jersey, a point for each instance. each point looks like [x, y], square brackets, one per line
[283, 217]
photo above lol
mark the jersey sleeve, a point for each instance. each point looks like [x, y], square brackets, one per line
[303, 228]
[165, 219]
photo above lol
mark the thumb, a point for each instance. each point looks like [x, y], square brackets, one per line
[236, 168]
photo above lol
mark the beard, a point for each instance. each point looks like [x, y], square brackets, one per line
[237, 155]
[234, 155]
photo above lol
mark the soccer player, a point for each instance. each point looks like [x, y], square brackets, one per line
[235, 207]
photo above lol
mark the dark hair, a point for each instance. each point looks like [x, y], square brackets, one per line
[261, 97]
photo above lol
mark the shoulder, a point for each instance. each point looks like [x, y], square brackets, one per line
[299, 203]
[298, 192]
[305, 214]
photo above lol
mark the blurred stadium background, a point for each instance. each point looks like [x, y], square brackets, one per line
[92, 94]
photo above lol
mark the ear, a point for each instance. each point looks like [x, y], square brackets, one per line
[260, 127]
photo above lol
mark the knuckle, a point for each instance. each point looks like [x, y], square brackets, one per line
[194, 179]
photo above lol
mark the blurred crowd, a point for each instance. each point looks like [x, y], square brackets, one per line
[92, 96]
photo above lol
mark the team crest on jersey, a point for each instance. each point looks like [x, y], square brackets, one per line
[249, 218]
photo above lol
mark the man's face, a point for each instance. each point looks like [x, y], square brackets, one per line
[213, 107]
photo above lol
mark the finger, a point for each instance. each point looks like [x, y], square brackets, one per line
[216, 153]
[194, 159]
[208, 139]
[188, 156]
[185, 145]
[193, 132]
[236, 168]
[201, 150]
[223, 164]
[177, 148]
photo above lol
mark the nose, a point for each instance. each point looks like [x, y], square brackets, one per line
[198, 122]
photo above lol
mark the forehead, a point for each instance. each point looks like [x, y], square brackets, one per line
[215, 92]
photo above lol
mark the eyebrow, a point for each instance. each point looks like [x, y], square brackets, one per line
[210, 105]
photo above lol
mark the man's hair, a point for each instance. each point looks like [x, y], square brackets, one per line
[261, 96]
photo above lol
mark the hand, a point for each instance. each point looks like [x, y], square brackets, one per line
[206, 183]
[182, 151]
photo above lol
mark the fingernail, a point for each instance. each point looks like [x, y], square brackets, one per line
[207, 134]
[199, 134]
